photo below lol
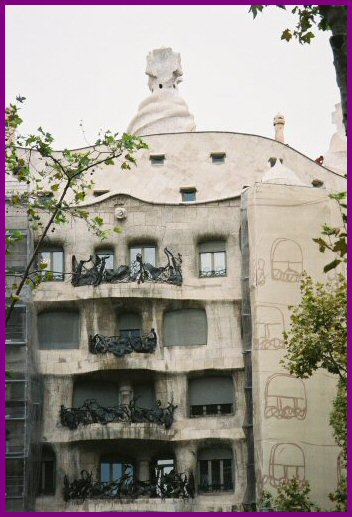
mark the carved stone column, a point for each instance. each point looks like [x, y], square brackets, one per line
[57, 391]
[186, 457]
[143, 473]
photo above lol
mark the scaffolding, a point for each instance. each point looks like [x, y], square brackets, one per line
[23, 384]
[250, 498]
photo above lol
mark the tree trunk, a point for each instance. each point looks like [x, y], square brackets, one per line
[336, 18]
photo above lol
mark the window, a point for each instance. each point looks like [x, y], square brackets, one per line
[147, 251]
[129, 325]
[188, 194]
[16, 259]
[97, 193]
[17, 325]
[215, 470]
[58, 330]
[47, 472]
[145, 396]
[54, 260]
[218, 157]
[185, 327]
[211, 396]
[114, 470]
[108, 254]
[104, 392]
[212, 259]
[161, 468]
[157, 159]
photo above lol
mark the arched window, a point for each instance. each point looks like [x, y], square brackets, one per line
[212, 258]
[215, 470]
[211, 396]
[129, 325]
[58, 330]
[47, 472]
[185, 327]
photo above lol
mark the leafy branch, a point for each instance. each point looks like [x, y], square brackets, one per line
[51, 184]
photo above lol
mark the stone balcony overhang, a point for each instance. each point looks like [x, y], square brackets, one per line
[171, 359]
[227, 428]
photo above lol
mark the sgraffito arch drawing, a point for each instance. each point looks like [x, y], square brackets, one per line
[269, 328]
[285, 397]
[286, 260]
[286, 462]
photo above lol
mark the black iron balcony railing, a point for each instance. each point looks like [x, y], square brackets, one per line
[123, 345]
[215, 487]
[139, 271]
[212, 273]
[91, 412]
[167, 485]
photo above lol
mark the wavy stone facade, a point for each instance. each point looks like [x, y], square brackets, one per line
[214, 241]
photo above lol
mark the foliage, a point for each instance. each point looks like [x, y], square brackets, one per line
[322, 17]
[339, 497]
[292, 496]
[318, 332]
[308, 17]
[335, 238]
[51, 184]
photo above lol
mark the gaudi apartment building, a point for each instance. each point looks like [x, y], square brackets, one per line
[156, 353]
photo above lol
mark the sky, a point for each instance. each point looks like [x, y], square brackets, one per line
[87, 63]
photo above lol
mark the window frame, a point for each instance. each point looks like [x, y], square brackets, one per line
[186, 191]
[143, 247]
[157, 159]
[103, 252]
[212, 464]
[218, 158]
[76, 346]
[212, 273]
[51, 251]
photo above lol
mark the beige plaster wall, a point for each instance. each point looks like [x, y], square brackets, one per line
[282, 223]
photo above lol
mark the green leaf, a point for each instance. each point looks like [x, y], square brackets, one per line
[117, 229]
[332, 265]
[286, 35]
[98, 220]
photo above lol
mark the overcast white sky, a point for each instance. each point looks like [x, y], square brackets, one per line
[88, 63]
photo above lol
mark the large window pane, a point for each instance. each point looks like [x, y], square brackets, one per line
[109, 258]
[148, 253]
[54, 260]
[211, 396]
[212, 258]
[58, 330]
[185, 327]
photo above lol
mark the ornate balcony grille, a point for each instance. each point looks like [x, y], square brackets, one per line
[167, 485]
[123, 345]
[139, 271]
[91, 413]
[212, 273]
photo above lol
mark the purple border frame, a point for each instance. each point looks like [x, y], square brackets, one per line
[2, 155]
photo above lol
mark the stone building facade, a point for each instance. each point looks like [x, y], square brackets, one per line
[159, 348]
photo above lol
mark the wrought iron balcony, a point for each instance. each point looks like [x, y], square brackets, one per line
[91, 413]
[123, 345]
[93, 271]
[166, 485]
[205, 273]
